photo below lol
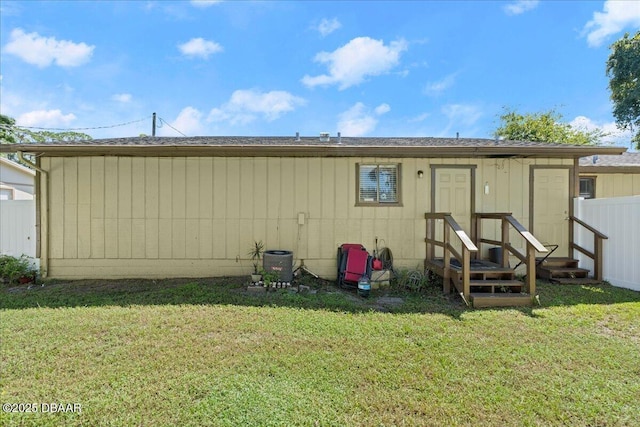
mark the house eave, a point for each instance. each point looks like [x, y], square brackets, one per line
[301, 150]
[609, 169]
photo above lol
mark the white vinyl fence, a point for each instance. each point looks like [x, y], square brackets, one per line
[18, 227]
[619, 219]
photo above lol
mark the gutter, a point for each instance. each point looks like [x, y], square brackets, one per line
[316, 150]
[42, 215]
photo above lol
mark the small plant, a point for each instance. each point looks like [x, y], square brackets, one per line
[255, 253]
[269, 276]
[15, 270]
[412, 280]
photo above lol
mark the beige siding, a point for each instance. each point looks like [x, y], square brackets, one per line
[161, 217]
[616, 184]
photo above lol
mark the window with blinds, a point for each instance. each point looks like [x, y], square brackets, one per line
[378, 184]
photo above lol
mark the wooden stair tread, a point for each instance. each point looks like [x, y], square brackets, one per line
[575, 281]
[558, 258]
[559, 262]
[564, 269]
[480, 300]
[492, 282]
[492, 270]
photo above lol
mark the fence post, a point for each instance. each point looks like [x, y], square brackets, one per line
[597, 251]
[531, 270]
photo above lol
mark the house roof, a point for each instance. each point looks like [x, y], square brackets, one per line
[625, 163]
[238, 146]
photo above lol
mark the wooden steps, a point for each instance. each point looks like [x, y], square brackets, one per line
[563, 270]
[491, 285]
[483, 300]
[496, 286]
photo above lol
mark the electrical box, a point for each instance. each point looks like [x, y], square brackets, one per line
[301, 218]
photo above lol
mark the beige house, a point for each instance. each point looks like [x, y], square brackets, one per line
[610, 176]
[16, 181]
[176, 207]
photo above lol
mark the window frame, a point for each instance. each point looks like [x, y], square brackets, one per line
[10, 191]
[593, 187]
[378, 203]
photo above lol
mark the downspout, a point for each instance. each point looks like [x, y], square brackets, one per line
[574, 191]
[42, 217]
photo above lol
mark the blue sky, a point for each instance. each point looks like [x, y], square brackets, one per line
[276, 68]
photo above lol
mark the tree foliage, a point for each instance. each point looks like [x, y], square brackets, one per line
[623, 70]
[6, 126]
[12, 134]
[543, 127]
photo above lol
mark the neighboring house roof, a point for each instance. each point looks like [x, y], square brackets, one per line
[311, 147]
[625, 163]
[16, 166]
[19, 179]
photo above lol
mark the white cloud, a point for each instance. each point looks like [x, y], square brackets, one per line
[43, 51]
[464, 114]
[188, 122]
[122, 97]
[359, 121]
[520, 6]
[435, 88]
[199, 47]
[419, 118]
[382, 109]
[204, 3]
[616, 16]
[246, 105]
[328, 26]
[45, 118]
[350, 64]
[613, 135]
[461, 118]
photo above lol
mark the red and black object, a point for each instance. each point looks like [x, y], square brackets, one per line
[353, 262]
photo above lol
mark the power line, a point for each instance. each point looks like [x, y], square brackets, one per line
[77, 129]
[162, 121]
[165, 122]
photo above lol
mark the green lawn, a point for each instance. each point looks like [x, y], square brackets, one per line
[204, 352]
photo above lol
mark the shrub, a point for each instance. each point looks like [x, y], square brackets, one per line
[12, 268]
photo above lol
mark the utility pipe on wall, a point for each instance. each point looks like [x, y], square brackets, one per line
[42, 217]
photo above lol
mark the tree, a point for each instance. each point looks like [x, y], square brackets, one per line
[7, 125]
[12, 134]
[623, 69]
[543, 127]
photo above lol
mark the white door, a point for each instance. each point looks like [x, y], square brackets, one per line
[551, 208]
[453, 194]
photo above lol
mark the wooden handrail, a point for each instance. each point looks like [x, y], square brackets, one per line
[588, 227]
[464, 238]
[533, 245]
[492, 215]
[449, 224]
[526, 235]
[462, 235]
[598, 249]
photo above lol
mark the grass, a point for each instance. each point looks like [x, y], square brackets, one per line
[205, 352]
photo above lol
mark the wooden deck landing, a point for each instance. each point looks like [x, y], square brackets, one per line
[479, 268]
